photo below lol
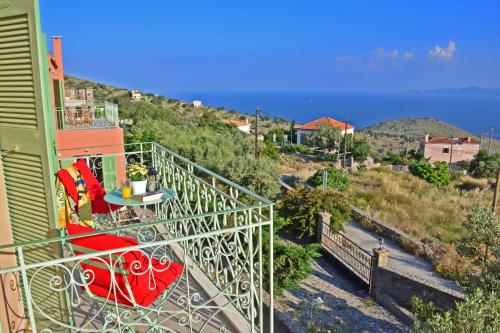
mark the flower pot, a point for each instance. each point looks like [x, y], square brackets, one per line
[139, 187]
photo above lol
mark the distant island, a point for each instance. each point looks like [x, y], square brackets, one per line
[467, 91]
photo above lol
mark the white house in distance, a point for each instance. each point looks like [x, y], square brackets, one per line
[307, 129]
[197, 103]
[243, 126]
[136, 95]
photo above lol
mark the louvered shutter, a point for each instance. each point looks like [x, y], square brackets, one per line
[27, 140]
[109, 172]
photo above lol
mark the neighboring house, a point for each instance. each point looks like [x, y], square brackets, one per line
[243, 126]
[310, 128]
[450, 150]
[197, 103]
[136, 95]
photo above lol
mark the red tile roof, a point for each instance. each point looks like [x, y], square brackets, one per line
[314, 125]
[235, 122]
[460, 141]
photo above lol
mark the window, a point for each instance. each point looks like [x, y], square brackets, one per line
[446, 150]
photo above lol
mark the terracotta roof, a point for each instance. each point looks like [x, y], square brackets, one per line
[314, 125]
[235, 122]
[460, 141]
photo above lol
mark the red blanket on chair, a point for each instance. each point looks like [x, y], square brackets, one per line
[94, 188]
[148, 277]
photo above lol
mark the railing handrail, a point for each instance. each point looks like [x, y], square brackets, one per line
[128, 227]
[185, 160]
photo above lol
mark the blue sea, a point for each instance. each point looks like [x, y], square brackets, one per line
[473, 113]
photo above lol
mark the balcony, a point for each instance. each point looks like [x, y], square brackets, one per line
[77, 116]
[216, 229]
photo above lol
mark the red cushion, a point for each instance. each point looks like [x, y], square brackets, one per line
[143, 290]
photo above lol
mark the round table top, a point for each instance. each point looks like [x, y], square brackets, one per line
[115, 198]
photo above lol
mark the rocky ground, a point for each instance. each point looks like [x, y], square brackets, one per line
[328, 301]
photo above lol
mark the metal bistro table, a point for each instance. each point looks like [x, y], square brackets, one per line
[115, 198]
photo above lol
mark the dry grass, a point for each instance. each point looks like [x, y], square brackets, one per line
[433, 215]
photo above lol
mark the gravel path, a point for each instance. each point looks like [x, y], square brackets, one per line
[329, 301]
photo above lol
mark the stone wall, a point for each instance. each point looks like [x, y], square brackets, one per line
[394, 291]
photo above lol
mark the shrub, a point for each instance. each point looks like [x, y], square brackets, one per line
[478, 313]
[303, 206]
[336, 180]
[438, 174]
[271, 150]
[481, 244]
[292, 263]
[301, 149]
[484, 165]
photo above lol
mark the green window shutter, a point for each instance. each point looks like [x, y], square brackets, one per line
[27, 141]
[109, 172]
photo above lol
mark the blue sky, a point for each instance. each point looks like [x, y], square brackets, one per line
[363, 46]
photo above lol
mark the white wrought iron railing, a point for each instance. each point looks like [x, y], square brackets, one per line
[216, 229]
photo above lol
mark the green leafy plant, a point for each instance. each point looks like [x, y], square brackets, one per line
[301, 149]
[437, 173]
[270, 150]
[303, 206]
[478, 313]
[484, 165]
[137, 172]
[481, 245]
[336, 180]
[292, 262]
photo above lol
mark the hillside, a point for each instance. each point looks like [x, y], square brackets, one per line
[395, 135]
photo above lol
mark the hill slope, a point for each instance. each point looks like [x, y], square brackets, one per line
[395, 135]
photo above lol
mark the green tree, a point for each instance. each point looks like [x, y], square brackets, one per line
[303, 206]
[437, 173]
[270, 150]
[336, 180]
[360, 150]
[478, 313]
[481, 244]
[484, 165]
[326, 137]
[260, 176]
[278, 133]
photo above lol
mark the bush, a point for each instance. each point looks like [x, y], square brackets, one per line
[478, 313]
[336, 180]
[271, 150]
[303, 206]
[292, 263]
[301, 149]
[484, 165]
[438, 174]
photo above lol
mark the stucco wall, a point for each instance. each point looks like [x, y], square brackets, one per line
[463, 152]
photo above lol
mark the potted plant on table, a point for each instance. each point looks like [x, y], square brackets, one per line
[137, 173]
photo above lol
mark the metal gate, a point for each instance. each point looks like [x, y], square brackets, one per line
[348, 253]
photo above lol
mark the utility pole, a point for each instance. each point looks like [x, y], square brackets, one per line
[257, 110]
[496, 194]
[491, 138]
[451, 150]
[345, 144]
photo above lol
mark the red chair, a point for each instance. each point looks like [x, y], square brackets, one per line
[95, 190]
[138, 280]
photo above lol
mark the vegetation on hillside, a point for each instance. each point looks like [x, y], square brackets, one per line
[434, 215]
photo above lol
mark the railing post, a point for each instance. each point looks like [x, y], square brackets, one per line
[323, 218]
[271, 271]
[26, 289]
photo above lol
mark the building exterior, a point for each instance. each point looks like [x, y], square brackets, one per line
[450, 150]
[307, 129]
[243, 126]
[197, 103]
[136, 95]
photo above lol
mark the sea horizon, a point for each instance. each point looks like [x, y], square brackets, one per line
[472, 113]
